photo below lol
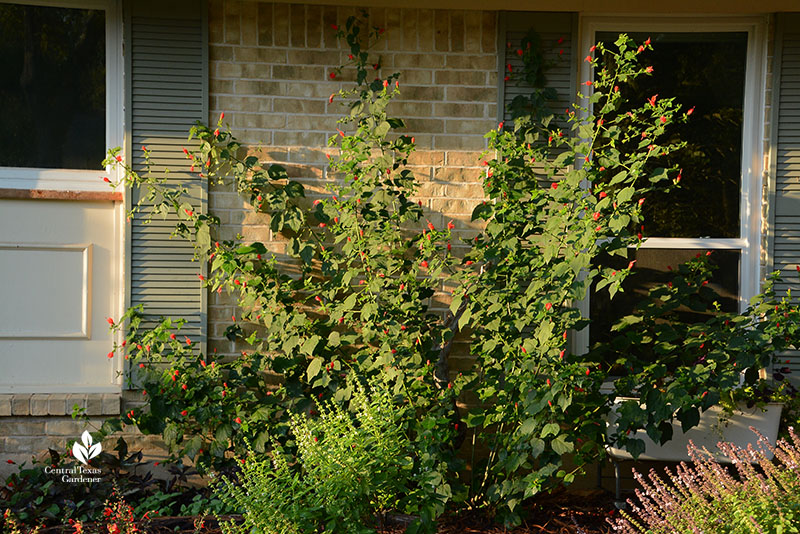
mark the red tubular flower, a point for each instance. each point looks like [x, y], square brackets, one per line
[332, 75]
[111, 354]
[424, 264]
[238, 420]
[548, 306]
[649, 70]
[106, 180]
[334, 27]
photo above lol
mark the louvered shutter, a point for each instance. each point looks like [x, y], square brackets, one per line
[784, 236]
[557, 32]
[166, 46]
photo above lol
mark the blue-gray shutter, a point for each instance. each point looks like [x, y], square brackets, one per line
[552, 28]
[166, 59]
[784, 195]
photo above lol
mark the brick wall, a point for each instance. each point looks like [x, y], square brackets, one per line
[269, 72]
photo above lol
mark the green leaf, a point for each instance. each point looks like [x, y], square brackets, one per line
[314, 368]
[550, 429]
[309, 345]
[560, 445]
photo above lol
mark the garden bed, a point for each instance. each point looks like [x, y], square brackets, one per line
[574, 512]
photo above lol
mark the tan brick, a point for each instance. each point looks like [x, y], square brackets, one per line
[258, 120]
[421, 92]
[324, 123]
[460, 207]
[5, 405]
[64, 427]
[280, 21]
[39, 404]
[308, 155]
[425, 30]
[424, 125]
[475, 62]
[249, 23]
[488, 33]
[232, 34]
[460, 110]
[295, 72]
[472, 31]
[464, 191]
[21, 404]
[220, 53]
[28, 445]
[454, 174]
[252, 87]
[111, 404]
[297, 24]
[416, 77]
[216, 28]
[94, 404]
[74, 399]
[299, 138]
[457, 31]
[457, 126]
[461, 77]
[22, 427]
[228, 70]
[410, 24]
[441, 22]
[264, 24]
[426, 157]
[460, 142]
[57, 404]
[412, 109]
[472, 94]
[326, 58]
[220, 86]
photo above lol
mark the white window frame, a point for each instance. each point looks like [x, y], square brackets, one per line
[749, 242]
[82, 179]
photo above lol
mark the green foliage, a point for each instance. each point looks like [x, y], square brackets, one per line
[351, 468]
[352, 296]
[758, 496]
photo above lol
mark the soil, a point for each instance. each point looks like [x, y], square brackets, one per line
[575, 512]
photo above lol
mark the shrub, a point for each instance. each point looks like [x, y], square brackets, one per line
[351, 469]
[759, 496]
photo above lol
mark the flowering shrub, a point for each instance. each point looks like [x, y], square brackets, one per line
[352, 468]
[760, 495]
[561, 191]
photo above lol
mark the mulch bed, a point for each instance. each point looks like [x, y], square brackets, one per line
[574, 512]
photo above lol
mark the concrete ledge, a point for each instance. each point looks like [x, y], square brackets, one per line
[42, 404]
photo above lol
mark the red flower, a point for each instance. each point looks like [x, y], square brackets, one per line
[332, 75]
[172, 336]
[424, 264]
[141, 366]
[690, 111]
[560, 40]
[602, 194]
[431, 227]
[649, 70]
[221, 115]
[188, 341]
[385, 84]
[334, 26]
[238, 421]
[519, 52]
[111, 354]
[595, 215]
[106, 180]
[184, 387]
[509, 68]
[587, 82]
[647, 42]
[216, 132]
[593, 48]
[450, 225]
[652, 100]
[554, 185]
[119, 158]
[587, 372]
[189, 212]
[588, 59]
[548, 306]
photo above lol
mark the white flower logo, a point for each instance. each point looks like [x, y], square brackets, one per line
[87, 451]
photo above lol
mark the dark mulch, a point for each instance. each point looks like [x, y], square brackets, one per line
[575, 512]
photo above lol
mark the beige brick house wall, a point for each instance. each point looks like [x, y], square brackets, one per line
[269, 73]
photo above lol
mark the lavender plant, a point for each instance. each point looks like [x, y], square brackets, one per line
[753, 495]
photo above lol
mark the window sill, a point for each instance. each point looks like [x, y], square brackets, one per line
[53, 194]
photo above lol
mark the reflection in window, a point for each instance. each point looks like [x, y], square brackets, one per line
[705, 71]
[655, 267]
[52, 90]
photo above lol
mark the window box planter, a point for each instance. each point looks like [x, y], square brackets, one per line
[715, 426]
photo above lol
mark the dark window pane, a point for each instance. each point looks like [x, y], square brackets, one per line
[653, 267]
[52, 88]
[705, 71]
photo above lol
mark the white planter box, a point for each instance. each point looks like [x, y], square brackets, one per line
[715, 426]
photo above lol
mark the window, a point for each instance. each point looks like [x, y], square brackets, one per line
[60, 92]
[714, 67]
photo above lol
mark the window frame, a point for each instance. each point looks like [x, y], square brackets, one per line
[753, 128]
[82, 180]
